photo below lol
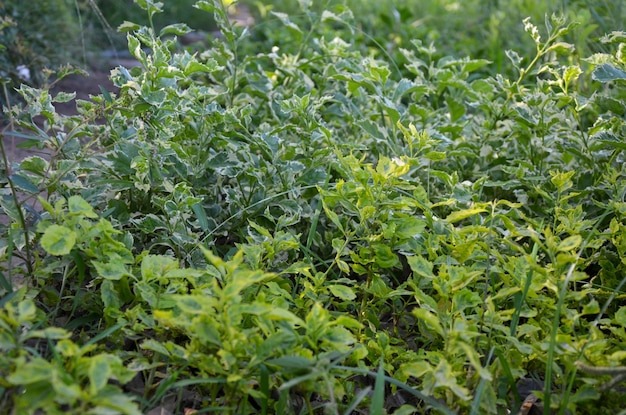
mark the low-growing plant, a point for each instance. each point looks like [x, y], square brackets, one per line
[314, 228]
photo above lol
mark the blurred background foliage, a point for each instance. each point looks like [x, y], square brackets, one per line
[47, 33]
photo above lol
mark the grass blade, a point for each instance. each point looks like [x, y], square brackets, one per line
[378, 400]
[430, 401]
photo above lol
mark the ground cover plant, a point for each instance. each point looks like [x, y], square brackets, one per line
[285, 221]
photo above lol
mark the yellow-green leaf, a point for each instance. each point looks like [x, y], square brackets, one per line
[570, 243]
[430, 319]
[463, 214]
[58, 240]
[99, 373]
[343, 292]
[78, 206]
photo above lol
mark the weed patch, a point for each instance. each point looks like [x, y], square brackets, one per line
[290, 222]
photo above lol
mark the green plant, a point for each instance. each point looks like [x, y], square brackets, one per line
[317, 226]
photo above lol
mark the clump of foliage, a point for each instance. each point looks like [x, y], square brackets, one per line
[313, 228]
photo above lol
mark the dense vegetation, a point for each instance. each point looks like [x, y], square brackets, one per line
[325, 213]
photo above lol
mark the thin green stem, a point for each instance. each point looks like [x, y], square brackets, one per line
[5, 159]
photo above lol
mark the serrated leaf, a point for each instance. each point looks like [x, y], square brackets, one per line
[58, 240]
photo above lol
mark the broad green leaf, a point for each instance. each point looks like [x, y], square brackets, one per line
[78, 206]
[620, 316]
[343, 292]
[34, 164]
[420, 266]
[52, 333]
[112, 400]
[36, 370]
[23, 183]
[607, 73]
[334, 218]
[570, 243]
[408, 227]
[343, 266]
[200, 212]
[430, 319]
[384, 256]
[608, 139]
[99, 372]
[110, 296]
[444, 377]
[195, 66]
[278, 313]
[67, 391]
[562, 180]
[189, 304]
[156, 266]
[114, 270]
[58, 240]
[26, 311]
[153, 97]
[155, 346]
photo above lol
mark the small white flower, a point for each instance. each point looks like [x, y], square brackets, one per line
[23, 73]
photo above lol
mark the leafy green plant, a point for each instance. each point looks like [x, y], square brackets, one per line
[322, 226]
